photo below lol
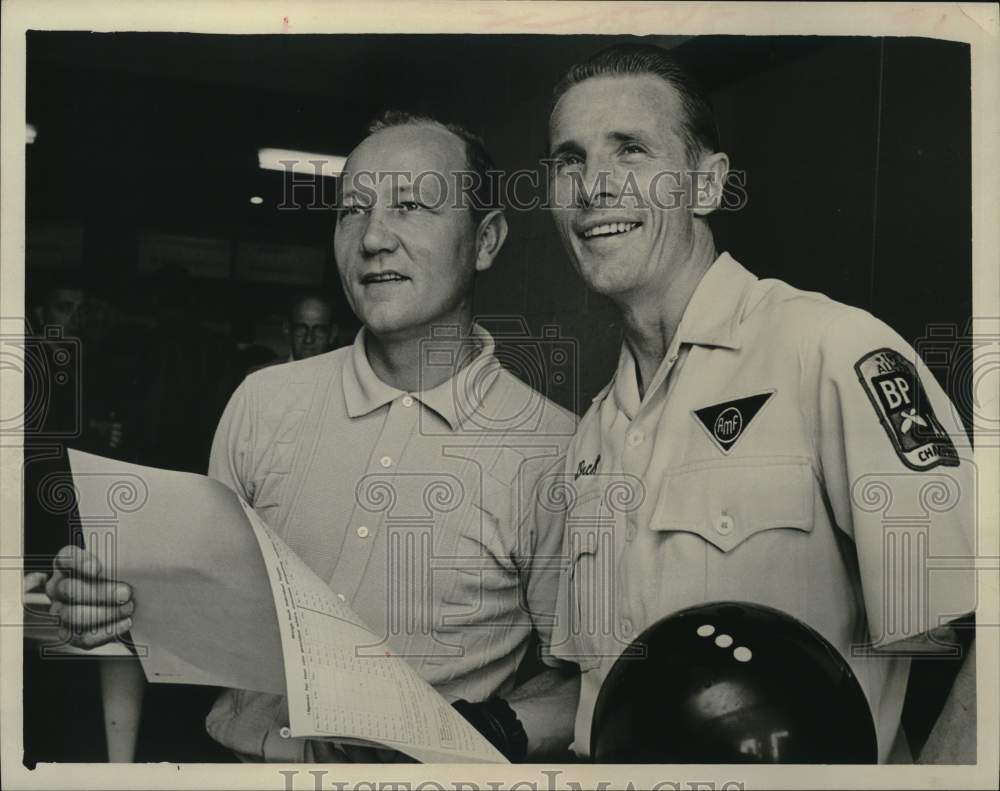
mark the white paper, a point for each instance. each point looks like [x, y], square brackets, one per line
[204, 610]
[222, 600]
[337, 689]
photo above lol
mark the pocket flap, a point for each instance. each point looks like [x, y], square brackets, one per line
[727, 503]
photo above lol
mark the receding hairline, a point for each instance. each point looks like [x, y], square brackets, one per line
[428, 123]
[677, 120]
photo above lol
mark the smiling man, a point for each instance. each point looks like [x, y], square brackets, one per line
[401, 469]
[752, 424]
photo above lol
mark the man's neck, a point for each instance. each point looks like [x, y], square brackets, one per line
[651, 318]
[403, 362]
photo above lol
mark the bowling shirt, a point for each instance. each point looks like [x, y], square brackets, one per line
[417, 508]
[790, 451]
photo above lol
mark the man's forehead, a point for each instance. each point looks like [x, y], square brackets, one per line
[312, 308]
[409, 149]
[599, 105]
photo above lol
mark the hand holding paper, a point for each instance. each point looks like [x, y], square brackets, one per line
[91, 609]
[222, 600]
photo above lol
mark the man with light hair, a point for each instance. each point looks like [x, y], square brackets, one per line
[418, 404]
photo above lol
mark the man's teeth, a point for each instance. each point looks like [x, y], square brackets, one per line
[383, 277]
[610, 228]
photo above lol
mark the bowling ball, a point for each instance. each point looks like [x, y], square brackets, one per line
[731, 682]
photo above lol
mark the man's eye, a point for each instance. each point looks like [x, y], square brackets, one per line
[409, 205]
[633, 148]
[569, 161]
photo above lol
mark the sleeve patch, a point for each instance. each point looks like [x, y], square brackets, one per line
[903, 409]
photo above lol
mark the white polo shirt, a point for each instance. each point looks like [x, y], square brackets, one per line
[786, 453]
[417, 508]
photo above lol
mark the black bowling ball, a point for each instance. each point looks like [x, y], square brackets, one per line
[732, 682]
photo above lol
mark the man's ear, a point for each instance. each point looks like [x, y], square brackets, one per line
[709, 183]
[490, 236]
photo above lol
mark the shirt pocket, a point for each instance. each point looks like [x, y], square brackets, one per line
[730, 503]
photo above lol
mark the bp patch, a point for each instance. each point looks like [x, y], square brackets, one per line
[726, 422]
[893, 387]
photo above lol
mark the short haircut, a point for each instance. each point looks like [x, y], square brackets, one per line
[299, 297]
[698, 128]
[477, 158]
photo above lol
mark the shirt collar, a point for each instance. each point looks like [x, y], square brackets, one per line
[711, 318]
[455, 400]
[715, 311]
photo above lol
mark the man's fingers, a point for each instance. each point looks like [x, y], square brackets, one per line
[73, 590]
[52, 583]
[82, 618]
[73, 560]
[101, 635]
[34, 579]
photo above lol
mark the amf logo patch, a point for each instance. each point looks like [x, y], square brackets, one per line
[893, 387]
[726, 422]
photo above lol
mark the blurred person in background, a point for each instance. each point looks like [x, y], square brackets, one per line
[310, 326]
[307, 327]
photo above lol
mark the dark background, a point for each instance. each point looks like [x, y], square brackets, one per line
[858, 175]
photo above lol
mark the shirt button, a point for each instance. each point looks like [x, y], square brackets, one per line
[724, 525]
[407, 401]
[342, 597]
[635, 438]
[385, 461]
[285, 732]
[362, 532]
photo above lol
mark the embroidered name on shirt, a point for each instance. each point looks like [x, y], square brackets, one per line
[587, 469]
[725, 423]
[893, 387]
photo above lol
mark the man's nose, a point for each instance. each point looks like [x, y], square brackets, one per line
[599, 185]
[378, 237]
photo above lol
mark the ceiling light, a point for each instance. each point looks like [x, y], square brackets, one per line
[308, 163]
[256, 200]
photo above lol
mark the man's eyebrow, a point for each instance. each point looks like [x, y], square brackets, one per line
[626, 135]
[566, 147]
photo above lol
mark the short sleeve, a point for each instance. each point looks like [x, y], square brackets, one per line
[552, 575]
[541, 551]
[232, 446]
[898, 472]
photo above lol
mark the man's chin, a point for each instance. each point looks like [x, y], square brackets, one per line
[606, 277]
[385, 324]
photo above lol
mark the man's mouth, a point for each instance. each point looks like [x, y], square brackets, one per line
[382, 277]
[609, 229]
